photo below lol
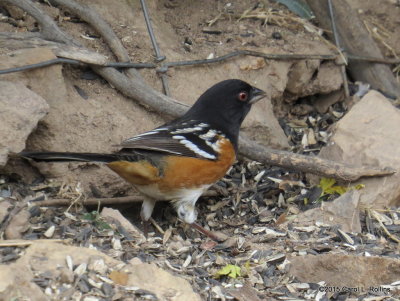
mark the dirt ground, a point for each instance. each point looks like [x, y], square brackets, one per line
[90, 115]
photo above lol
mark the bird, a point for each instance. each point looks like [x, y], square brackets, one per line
[180, 159]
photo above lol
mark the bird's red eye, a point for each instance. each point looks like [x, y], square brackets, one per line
[242, 96]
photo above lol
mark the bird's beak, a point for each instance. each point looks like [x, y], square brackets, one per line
[257, 95]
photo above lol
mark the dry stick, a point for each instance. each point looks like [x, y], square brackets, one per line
[165, 105]
[314, 165]
[21, 40]
[104, 201]
[25, 243]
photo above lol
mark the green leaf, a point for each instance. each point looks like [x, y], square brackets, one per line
[326, 183]
[299, 7]
[97, 221]
[328, 187]
[336, 189]
[229, 270]
[359, 186]
[91, 216]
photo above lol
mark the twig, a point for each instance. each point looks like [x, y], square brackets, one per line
[91, 201]
[74, 62]
[314, 165]
[104, 201]
[378, 218]
[25, 243]
[353, 57]
[168, 106]
[157, 226]
[78, 56]
[159, 56]
[274, 56]
[336, 37]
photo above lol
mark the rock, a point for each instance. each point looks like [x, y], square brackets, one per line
[245, 293]
[50, 258]
[300, 75]
[368, 135]
[345, 270]
[149, 277]
[21, 109]
[313, 77]
[48, 82]
[18, 225]
[4, 209]
[115, 217]
[343, 212]
[324, 101]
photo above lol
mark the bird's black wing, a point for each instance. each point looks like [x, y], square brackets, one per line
[190, 138]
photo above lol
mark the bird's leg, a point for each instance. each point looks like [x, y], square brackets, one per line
[186, 211]
[145, 213]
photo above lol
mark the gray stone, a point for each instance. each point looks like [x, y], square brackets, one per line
[368, 135]
[345, 270]
[20, 111]
[343, 212]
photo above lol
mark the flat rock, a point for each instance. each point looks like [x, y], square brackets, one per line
[342, 212]
[20, 111]
[114, 216]
[18, 225]
[368, 135]
[50, 258]
[345, 270]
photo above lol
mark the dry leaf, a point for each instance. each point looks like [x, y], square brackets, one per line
[120, 278]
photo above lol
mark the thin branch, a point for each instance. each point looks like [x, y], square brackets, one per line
[314, 165]
[106, 201]
[337, 43]
[25, 243]
[78, 55]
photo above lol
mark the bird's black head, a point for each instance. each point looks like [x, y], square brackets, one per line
[225, 105]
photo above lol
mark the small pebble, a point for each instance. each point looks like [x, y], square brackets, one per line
[107, 289]
[276, 35]
[50, 232]
[66, 275]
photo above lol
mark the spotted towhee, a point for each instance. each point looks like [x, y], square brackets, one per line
[179, 160]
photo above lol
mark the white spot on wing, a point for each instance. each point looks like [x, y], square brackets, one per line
[209, 135]
[193, 147]
[137, 137]
[197, 128]
[187, 130]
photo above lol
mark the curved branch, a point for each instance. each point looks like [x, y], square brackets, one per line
[90, 16]
[49, 28]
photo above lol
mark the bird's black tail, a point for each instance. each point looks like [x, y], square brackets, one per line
[66, 157]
